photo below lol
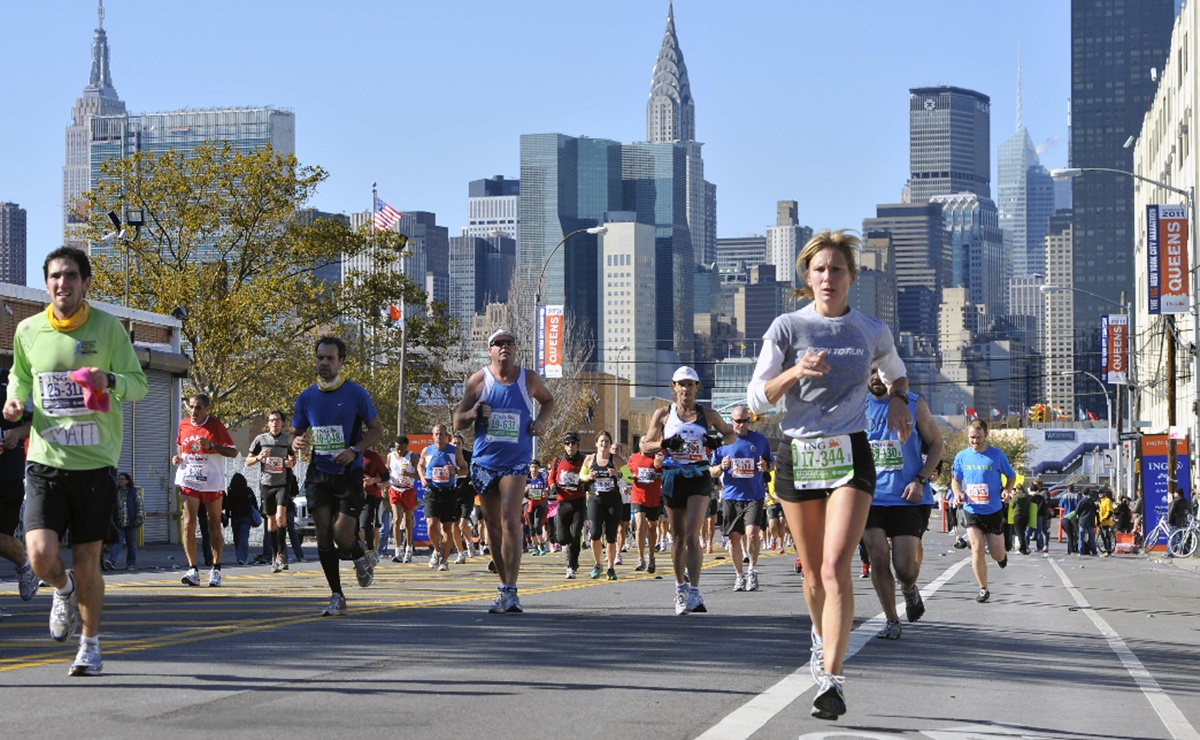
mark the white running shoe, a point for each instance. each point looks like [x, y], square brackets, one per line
[364, 571]
[618, 560]
[570, 573]
[64, 613]
[752, 581]
[739, 583]
[816, 657]
[695, 602]
[87, 661]
[407, 556]
[214, 578]
[681, 602]
[830, 702]
[443, 565]
[434, 558]
[460, 558]
[191, 578]
[499, 603]
[336, 606]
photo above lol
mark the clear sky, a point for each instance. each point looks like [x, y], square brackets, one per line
[802, 100]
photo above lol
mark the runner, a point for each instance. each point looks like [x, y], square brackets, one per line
[740, 466]
[78, 364]
[402, 471]
[535, 512]
[979, 490]
[646, 503]
[272, 450]
[817, 361]
[570, 494]
[332, 412]
[438, 467]
[681, 429]
[499, 402]
[375, 475]
[203, 441]
[460, 529]
[902, 504]
[600, 471]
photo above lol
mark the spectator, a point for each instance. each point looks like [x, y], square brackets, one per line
[128, 518]
[1087, 511]
[1020, 518]
[239, 507]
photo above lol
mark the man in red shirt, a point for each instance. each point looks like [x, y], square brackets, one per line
[203, 441]
[645, 501]
[375, 474]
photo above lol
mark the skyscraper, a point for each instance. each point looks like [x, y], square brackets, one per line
[99, 98]
[1116, 47]
[785, 240]
[481, 270]
[493, 205]
[921, 253]
[949, 149]
[13, 246]
[977, 262]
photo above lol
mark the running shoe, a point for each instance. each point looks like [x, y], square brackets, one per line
[650, 566]
[570, 574]
[624, 548]
[514, 603]
[799, 567]
[618, 561]
[434, 557]
[745, 560]
[87, 661]
[191, 578]
[983, 595]
[283, 562]
[752, 581]
[739, 583]
[641, 564]
[830, 702]
[491, 566]
[960, 544]
[275, 566]
[612, 574]
[890, 631]
[64, 613]
[407, 556]
[27, 583]
[536, 551]
[681, 602]
[596, 571]
[500, 602]
[914, 605]
[108, 565]
[336, 606]
[364, 571]
[696, 602]
[816, 657]
[866, 571]
[214, 578]
[397, 559]
[443, 566]
[460, 558]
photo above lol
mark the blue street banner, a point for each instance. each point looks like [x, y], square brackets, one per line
[1154, 480]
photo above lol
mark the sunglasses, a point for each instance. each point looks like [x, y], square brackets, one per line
[740, 421]
[503, 343]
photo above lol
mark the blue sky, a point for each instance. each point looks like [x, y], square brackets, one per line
[795, 99]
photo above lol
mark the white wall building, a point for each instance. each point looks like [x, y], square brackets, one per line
[626, 291]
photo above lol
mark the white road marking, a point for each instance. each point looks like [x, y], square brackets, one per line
[749, 718]
[1162, 705]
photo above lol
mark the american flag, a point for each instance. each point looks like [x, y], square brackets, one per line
[385, 216]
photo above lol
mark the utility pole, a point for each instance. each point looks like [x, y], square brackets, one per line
[1169, 323]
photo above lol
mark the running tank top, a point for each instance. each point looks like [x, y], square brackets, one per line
[402, 470]
[896, 463]
[604, 477]
[440, 468]
[502, 441]
[693, 439]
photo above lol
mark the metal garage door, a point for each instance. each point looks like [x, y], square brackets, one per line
[149, 437]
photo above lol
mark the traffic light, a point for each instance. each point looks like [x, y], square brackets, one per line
[1037, 413]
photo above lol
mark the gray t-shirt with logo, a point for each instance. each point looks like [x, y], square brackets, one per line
[275, 452]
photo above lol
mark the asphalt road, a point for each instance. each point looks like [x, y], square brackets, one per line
[1068, 647]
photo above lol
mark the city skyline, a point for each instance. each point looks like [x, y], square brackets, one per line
[452, 106]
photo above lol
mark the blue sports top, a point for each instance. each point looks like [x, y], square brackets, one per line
[441, 470]
[979, 474]
[743, 481]
[502, 441]
[336, 418]
[889, 451]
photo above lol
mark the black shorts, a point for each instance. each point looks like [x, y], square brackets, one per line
[12, 495]
[537, 516]
[652, 513]
[863, 478]
[990, 523]
[685, 488]
[368, 518]
[900, 521]
[626, 512]
[273, 498]
[466, 501]
[738, 515]
[83, 501]
[441, 505]
[604, 515]
[341, 492]
[714, 506]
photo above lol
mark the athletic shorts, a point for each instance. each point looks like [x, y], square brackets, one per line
[441, 505]
[714, 506]
[341, 492]
[685, 488]
[12, 495]
[737, 515]
[536, 517]
[486, 480]
[775, 511]
[406, 497]
[273, 498]
[604, 515]
[466, 502]
[368, 518]
[863, 478]
[652, 513]
[990, 523]
[626, 512]
[82, 501]
[204, 497]
[900, 521]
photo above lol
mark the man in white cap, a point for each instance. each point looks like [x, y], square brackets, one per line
[498, 402]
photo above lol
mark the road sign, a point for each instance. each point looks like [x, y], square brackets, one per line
[1126, 436]
[1140, 424]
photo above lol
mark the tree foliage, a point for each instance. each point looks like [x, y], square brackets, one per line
[228, 239]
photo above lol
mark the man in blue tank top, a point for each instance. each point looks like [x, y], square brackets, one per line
[498, 402]
[902, 502]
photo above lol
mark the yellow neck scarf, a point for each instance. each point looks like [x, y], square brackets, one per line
[71, 323]
[332, 385]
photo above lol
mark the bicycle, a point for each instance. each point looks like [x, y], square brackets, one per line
[1183, 541]
[1160, 532]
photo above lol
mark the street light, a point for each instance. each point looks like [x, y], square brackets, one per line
[617, 394]
[1068, 173]
[1108, 405]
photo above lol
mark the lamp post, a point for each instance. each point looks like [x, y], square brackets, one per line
[1108, 405]
[617, 394]
[1067, 173]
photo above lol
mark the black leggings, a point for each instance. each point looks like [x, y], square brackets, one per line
[570, 518]
[537, 518]
[604, 515]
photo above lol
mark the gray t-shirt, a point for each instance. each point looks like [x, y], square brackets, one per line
[835, 403]
[276, 451]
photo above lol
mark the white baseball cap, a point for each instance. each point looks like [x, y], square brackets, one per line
[501, 333]
[685, 373]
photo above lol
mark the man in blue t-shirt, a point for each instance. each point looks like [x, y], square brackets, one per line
[329, 420]
[740, 466]
[980, 490]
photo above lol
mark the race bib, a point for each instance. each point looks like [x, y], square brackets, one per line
[568, 479]
[691, 452]
[442, 474]
[886, 453]
[536, 493]
[61, 396]
[404, 481]
[742, 467]
[504, 426]
[272, 465]
[646, 475]
[978, 493]
[604, 485]
[823, 462]
[328, 440]
[194, 471]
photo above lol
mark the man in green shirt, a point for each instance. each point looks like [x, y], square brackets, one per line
[78, 364]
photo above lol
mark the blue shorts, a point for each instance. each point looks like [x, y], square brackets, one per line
[486, 480]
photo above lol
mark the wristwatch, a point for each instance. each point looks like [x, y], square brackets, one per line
[922, 480]
[356, 450]
[112, 381]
